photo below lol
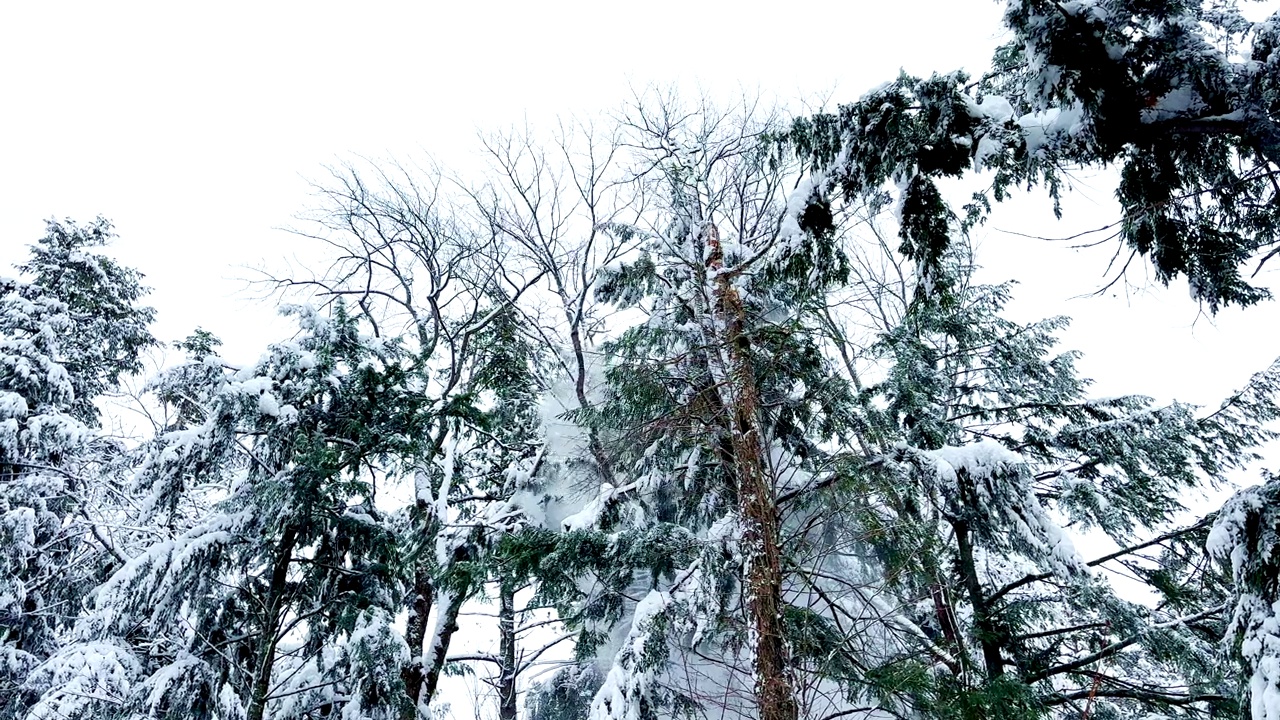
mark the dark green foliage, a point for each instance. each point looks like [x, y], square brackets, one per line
[955, 374]
[928, 462]
[1159, 90]
[199, 344]
[294, 573]
[926, 221]
[557, 560]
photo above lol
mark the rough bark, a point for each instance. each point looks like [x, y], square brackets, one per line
[271, 612]
[987, 639]
[507, 652]
[756, 502]
[415, 634]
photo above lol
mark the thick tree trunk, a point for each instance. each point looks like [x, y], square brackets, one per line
[271, 612]
[446, 626]
[507, 652]
[756, 500]
[416, 634]
[991, 656]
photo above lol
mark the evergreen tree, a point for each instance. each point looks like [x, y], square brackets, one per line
[275, 597]
[70, 329]
[815, 474]
[567, 695]
[715, 402]
[994, 462]
[419, 268]
[493, 456]
[1245, 536]
[926, 520]
[1181, 97]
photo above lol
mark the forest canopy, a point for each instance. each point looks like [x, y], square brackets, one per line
[704, 406]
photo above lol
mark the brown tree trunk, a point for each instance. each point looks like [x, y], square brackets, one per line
[415, 634]
[507, 652]
[756, 500]
[985, 631]
[271, 610]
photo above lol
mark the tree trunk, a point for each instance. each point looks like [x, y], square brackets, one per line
[415, 635]
[756, 501]
[507, 652]
[991, 656]
[946, 618]
[271, 610]
[580, 390]
[446, 626]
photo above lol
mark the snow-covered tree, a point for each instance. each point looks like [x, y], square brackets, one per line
[71, 327]
[506, 455]
[1245, 535]
[713, 403]
[993, 465]
[273, 593]
[567, 695]
[676, 382]
[1181, 97]
[423, 268]
[929, 481]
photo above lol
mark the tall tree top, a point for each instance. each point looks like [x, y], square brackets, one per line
[103, 329]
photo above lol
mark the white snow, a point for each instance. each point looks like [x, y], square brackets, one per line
[796, 203]
[992, 107]
[268, 405]
[980, 459]
[589, 517]
[997, 481]
[1044, 128]
[627, 685]
[1181, 100]
[12, 405]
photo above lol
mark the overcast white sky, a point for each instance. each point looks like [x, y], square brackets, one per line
[194, 127]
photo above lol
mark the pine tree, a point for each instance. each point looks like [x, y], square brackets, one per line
[928, 483]
[275, 595]
[70, 328]
[704, 423]
[567, 695]
[507, 457]
[991, 450]
[421, 268]
[820, 473]
[494, 457]
[1180, 97]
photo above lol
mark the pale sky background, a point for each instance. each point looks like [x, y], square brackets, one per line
[195, 128]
